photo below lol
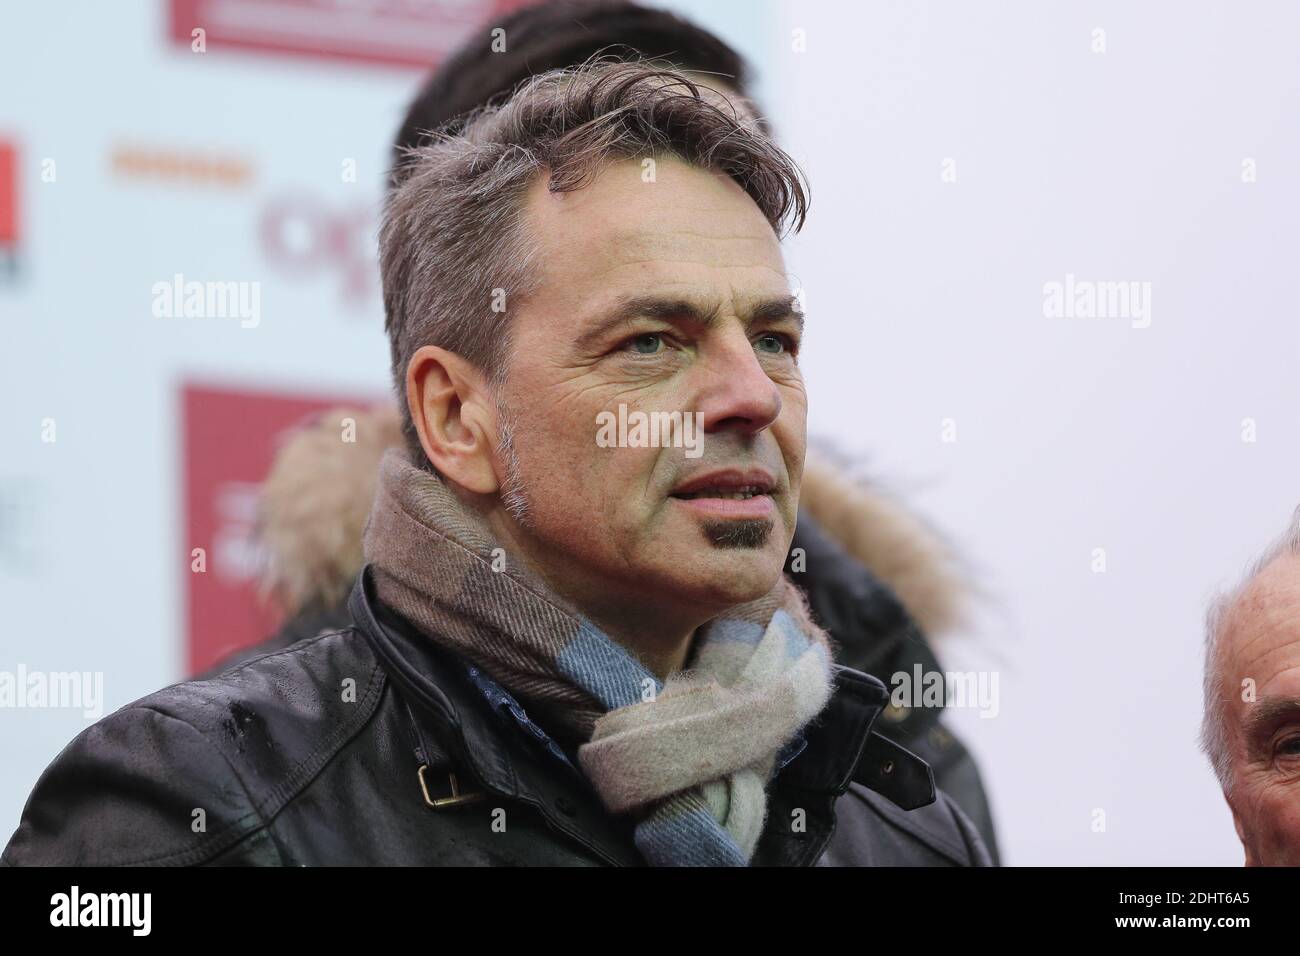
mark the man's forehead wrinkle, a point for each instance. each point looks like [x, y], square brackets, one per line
[1284, 672]
[599, 254]
[1243, 658]
[707, 289]
[603, 267]
[1262, 604]
[1245, 662]
[667, 232]
[680, 245]
[1274, 665]
[1265, 612]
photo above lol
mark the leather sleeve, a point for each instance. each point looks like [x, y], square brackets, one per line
[139, 787]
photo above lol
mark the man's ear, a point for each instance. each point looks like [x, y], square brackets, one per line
[453, 412]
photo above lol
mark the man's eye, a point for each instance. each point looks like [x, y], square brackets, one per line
[1290, 747]
[771, 342]
[647, 344]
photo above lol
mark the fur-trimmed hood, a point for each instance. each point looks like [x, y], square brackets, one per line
[317, 498]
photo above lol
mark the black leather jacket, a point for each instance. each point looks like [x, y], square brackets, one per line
[369, 745]
[873, 632]
[876, 635]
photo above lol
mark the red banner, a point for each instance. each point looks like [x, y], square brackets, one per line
[418, 33]
[8, 195]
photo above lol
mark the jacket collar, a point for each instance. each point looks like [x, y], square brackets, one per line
[438, 686]
[493, 736]
[873, 630]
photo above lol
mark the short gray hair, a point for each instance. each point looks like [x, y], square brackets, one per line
[1214, 727]
[453, 242]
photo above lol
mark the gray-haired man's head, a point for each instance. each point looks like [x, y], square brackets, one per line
[1251, 723]
[601, 251]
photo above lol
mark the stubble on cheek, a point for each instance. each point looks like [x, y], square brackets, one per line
[514, 497]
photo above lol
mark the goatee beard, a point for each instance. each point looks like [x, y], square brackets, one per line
[748, 533]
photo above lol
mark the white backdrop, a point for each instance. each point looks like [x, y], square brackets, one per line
[961, 156]
[926, 299]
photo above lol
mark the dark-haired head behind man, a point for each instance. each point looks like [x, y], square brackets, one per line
[557, 35]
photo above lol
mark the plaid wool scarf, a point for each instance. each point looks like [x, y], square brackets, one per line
[690, 758]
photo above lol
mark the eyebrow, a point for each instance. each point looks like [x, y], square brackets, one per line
[679, 309]
[1265, 713]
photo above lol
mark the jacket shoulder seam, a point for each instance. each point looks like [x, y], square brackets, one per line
[311, 765]
[217, 842]
[266, 807]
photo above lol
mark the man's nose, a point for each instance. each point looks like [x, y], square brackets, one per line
[737, 393]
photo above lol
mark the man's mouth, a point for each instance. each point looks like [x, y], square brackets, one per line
[732, 493]
[740, 494]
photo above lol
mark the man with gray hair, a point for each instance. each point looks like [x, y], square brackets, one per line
[564, 651]
[1251, 724]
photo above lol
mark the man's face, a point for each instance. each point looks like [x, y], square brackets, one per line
[664, 296]
[1263, 645]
